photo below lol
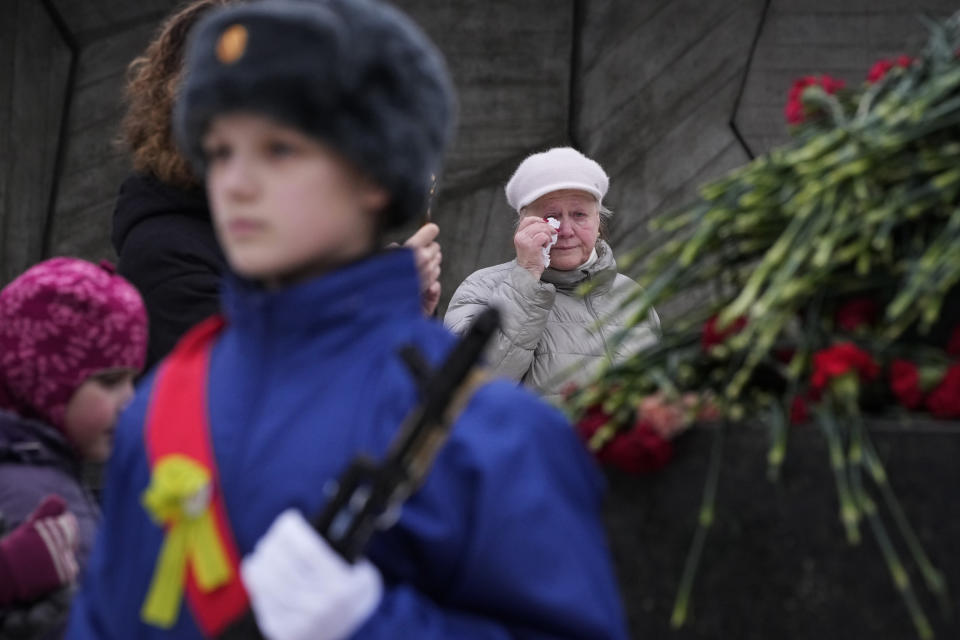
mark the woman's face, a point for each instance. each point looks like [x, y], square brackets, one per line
[579, 216]
[285, 207]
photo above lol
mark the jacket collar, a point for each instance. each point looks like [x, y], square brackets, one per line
[144, 196]
[602, 272]
[378, 287]
[33, 442]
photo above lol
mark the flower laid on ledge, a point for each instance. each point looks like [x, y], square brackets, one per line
[843, 359]
[944, 400]
[857, 314]
[796, 111]
[639, 449]
[834, 264]
[714, 336]
[880, 68]
[646, 445]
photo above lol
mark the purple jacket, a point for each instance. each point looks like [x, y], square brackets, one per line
[35, 461]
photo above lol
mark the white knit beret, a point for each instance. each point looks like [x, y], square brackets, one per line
[552, 170]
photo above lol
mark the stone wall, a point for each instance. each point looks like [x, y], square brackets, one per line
[35, 76]
[776, 562]
[664, 94]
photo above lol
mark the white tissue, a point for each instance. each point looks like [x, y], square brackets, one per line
[553, 222]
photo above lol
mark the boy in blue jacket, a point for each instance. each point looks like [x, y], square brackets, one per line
[318, 125]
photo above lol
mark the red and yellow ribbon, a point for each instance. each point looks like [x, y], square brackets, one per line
[178, 498]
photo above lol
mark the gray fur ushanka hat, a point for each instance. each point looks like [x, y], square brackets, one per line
[357, 75]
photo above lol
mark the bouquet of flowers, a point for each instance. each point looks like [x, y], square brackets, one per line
[824, 269]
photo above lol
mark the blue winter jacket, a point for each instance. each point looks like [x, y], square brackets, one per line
[504, 539]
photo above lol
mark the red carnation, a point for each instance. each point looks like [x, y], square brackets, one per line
[639, 450]
[794, 109]
[838, 360]
[712, 336]
[944, 401]
[594, 418]
[799, 411]
[905, 383]
[953, 347]
[856, 313]
[880, 68]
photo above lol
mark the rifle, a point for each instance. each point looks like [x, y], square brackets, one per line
[368, 495]
[427, 216]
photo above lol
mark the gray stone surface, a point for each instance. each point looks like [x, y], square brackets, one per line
[90, 20]
[776, 563]
[34, 65]
[94, 164]
[511, 64]
[648, 87]
[655, 106]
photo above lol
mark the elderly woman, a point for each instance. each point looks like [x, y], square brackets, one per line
[551, 336]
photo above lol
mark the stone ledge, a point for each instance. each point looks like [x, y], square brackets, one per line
[776, 562]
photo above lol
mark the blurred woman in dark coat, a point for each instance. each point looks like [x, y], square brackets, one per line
[162, 230]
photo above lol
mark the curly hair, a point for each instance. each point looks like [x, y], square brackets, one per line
[153, 80]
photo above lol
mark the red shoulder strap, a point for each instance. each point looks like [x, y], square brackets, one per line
[178, 423]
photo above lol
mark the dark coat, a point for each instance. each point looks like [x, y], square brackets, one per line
[168, 250]
[35, 461]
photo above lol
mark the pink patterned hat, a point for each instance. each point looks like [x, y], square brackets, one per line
[61, 321]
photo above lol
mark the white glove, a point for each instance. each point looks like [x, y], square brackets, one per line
[553, 222]
[301, 589]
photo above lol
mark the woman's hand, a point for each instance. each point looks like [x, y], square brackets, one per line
[426, 249]
[533, 235]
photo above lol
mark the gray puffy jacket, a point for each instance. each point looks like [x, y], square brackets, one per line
[549, 336]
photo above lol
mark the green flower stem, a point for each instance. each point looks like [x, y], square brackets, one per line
[763, 341]
[897, 571]
[849, 514]
[814, 148]
[681, 605]
[778, 441]
[855, 450]
[751, 290]
[923, 277]
[644, 302]
[932, 577]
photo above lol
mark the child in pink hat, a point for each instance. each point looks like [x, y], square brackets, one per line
[72, 337]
